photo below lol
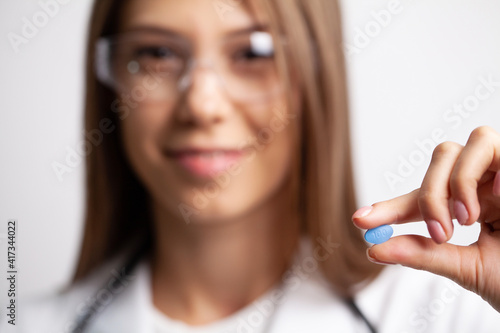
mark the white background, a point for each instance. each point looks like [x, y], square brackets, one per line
[403, 79]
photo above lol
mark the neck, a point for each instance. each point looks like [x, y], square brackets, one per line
[205, 271]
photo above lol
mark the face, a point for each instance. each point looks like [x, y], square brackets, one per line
[208, 154]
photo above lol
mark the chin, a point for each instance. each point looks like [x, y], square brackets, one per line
[214, 211]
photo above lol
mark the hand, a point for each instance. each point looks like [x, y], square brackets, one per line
[462, 183]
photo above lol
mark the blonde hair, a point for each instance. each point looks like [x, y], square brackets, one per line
[117, 204]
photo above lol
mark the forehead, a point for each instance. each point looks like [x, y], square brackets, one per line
[191, 18]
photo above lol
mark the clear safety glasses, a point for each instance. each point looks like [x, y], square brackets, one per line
[160, 66]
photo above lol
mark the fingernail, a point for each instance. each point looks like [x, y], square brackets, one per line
[436, 231]
[460, 212]
[362, 212]
[375, 261]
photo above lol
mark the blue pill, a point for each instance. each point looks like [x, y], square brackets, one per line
[379, 235]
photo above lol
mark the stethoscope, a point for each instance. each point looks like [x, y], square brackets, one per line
[83, 321]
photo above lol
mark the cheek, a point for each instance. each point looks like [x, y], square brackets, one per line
[276, 140]
[142, 133]
[273, 152]
[274, 161]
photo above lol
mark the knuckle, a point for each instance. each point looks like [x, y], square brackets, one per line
[482, 132]
[460, 182]
[426, 198]
[446, 148]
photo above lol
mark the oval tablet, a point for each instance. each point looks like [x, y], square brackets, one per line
[379, 235]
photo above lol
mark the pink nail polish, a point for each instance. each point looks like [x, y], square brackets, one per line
[362, 212]
[460, 212]
[436, 231]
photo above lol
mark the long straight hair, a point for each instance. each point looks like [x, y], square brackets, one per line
[117, 211]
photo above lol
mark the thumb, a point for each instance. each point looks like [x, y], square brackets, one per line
[457, 263]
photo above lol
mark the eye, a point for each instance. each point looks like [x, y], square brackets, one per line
[249, 54]
[156, 58]
[245, 54]
[159, 52]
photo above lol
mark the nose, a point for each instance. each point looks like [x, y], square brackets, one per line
[204, 100]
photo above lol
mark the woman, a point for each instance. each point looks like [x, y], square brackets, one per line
[221, 197]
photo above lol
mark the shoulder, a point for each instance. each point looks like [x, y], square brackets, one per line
[56, 311]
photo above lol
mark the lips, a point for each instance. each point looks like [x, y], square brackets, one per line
[205, 162]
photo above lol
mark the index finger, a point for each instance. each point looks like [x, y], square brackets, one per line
[399, 210]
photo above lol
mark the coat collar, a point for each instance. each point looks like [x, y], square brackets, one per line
[129, 310]
[305, 303]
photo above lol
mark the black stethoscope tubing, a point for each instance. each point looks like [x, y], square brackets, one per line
[82, 322]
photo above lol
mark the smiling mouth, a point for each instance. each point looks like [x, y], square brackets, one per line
[205, 163]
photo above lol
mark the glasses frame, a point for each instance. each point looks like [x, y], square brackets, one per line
[103, 69]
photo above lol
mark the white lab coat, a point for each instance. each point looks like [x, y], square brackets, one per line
[400, 300]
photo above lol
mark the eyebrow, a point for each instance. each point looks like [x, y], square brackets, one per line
[152, 28]
[252, 28]
[172, 32]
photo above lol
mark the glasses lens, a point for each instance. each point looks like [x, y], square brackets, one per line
[152, 63]
[156, 65]
[249, 70]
